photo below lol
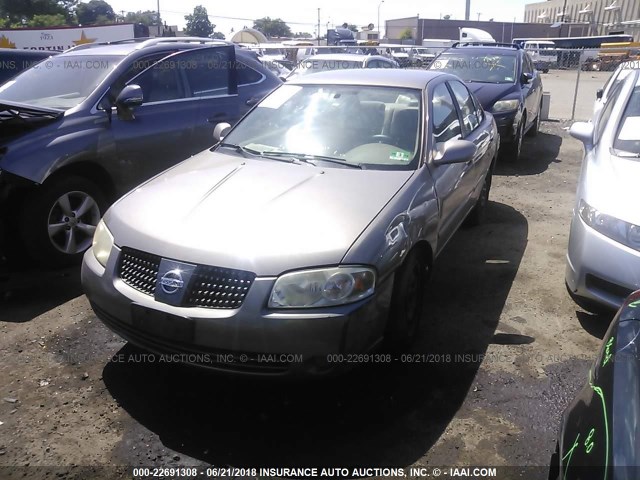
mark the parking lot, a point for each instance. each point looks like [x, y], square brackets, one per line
[502, 351]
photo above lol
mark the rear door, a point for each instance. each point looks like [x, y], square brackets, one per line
[212, 86]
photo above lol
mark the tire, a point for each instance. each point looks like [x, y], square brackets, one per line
[479, 212]
[535, 128]
[513, 150]
[59, 220]
[406, 301]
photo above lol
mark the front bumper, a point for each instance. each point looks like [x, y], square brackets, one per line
[599, 268]
[507, 125]
[248, 340]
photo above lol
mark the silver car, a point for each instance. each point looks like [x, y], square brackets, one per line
[603, 258]
[306, 234]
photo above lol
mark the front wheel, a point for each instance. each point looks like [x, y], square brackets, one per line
[406, 301]
[59, 221]
[512, 150]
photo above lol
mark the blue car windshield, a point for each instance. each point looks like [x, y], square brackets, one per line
[60, 82]
[472, 66]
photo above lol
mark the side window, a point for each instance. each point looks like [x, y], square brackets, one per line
[470, 119]
[134, 69]
[444, 117]
[374, 64]
[246, 74]
[602, 120]
[161, 82]
[527, 65]
[207, 72]
[479, 109]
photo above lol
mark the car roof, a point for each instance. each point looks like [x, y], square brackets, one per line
[391, 77]
[344, 57]
[485, 49]
[126, 47]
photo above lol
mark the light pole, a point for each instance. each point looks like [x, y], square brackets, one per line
[379, 5]
[158, 17]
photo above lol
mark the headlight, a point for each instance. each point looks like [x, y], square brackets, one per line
[623, 232]
[505, 105]
[322, 287]
[102, 243]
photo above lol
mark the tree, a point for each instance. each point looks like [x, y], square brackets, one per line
[407, 34]
[218, 36]
[198, 23]
[350, 26]
[148, 17]
[272, 28]
[15, 11]
[95, 12]
[303, 35]
[56, 20]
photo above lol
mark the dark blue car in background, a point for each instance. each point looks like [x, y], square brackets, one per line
[505, 81]
[82, 128]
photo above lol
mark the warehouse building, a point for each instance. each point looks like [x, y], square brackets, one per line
[601, 16]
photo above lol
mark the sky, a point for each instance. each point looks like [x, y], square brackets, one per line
[303, 16]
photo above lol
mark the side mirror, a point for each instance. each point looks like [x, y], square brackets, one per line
[526, 78]
[456, 151]
[220, 131]
[600, 93]
[130, 97]
[583, 131]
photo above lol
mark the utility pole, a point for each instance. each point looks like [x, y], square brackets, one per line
[158, 17]
[467, 10]
[318, 26]
[564, 15]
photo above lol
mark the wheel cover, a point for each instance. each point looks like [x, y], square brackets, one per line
[72, 221]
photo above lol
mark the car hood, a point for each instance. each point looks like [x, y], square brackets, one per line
[17, 119]
[258, 215]
[490, 93]
[611, 186]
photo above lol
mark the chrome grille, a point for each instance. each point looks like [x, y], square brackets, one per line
[209, 287]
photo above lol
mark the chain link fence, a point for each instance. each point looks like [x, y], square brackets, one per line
[572, 78]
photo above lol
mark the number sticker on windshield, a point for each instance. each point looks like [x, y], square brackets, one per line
[399, 156]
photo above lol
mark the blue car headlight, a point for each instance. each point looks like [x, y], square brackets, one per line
[623, 232]
[323, 287]
[505, 105]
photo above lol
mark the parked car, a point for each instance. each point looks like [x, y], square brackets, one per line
[340, 61]
[399, 53]
[503, 77]
[309, 230]
[71, 143]
[421, 56]
[543, 54]
[13, 61]
[603, 257]
[600, 431]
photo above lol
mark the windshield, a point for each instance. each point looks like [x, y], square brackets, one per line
[311, 65]
[59, 82]
[374, 127]
[477, 67]
[628, 137]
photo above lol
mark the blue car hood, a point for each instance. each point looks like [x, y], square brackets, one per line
[490, 93]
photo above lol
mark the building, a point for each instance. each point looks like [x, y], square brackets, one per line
[601, 16]
[420, 28]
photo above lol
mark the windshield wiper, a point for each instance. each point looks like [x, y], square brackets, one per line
[247, 152]
[307, 158]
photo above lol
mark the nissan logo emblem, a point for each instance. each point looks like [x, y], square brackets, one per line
[172, 281]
